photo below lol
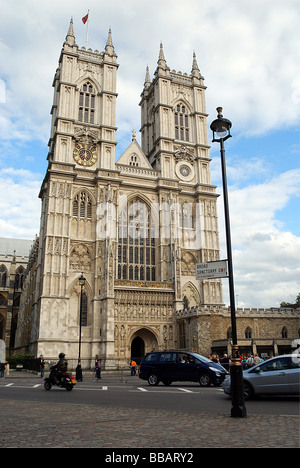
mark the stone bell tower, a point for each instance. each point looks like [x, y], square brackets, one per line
[84, 106]
[81, 167]
[175, 141]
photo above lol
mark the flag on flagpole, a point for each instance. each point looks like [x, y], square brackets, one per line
[85, 18]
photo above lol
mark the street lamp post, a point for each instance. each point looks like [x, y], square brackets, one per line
[78, 368]
[221, 127]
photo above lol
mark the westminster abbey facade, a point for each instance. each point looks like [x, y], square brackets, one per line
[135, 228]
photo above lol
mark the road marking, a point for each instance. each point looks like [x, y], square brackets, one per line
[9, 385]
[142, 389]
[104, 388]
[37, 385]
[185, 390]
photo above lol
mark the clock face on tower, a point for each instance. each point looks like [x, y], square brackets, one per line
[85, 154]
[185, 171]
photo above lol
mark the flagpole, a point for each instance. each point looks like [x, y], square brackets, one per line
[87, 29]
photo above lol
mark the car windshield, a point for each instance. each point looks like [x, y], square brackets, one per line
[201, 358]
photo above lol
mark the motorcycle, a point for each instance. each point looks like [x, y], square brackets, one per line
[65, 380]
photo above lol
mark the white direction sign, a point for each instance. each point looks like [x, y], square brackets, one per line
[211, 270]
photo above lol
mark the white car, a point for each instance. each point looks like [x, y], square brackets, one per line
[277, 376]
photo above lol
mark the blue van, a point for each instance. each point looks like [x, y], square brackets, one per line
[172, 366]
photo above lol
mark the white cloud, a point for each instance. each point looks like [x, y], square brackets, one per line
[248, 53]
[19, 204]
[265, 256]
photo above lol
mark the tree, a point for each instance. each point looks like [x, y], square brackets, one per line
[290, 305]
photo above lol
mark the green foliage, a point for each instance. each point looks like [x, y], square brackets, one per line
[18, 359]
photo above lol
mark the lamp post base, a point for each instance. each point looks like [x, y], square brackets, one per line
[78, 373]
[238, 409]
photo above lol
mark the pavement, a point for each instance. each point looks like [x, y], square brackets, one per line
[52, 425]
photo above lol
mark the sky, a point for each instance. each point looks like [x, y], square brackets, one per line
[249, 55]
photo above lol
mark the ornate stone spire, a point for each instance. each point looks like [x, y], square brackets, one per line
[195, 68]
[70, 38]
[161, 59]
[109, 48]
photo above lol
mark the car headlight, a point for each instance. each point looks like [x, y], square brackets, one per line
[215, 370]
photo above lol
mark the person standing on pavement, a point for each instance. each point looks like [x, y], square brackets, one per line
[133, 366]
[98, 369]
[42, 368]
[2, 369]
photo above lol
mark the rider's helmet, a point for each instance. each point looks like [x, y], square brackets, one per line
[61, 356]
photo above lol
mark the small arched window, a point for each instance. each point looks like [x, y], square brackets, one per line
[134, 160]
[284, 332]
[82, 206]
[3, 276]
[2, 301]
[87, 98]
[248, 332]
[19, 278]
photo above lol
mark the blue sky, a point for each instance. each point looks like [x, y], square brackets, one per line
[249, 54]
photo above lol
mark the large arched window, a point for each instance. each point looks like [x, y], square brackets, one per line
[181, 123]
[136, 243]
[87, 99]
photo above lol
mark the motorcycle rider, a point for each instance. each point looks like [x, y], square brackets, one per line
[60, 368]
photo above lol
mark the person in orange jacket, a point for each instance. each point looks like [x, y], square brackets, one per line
[133, 366]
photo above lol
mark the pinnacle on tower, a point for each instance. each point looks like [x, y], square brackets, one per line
[147, 79]
[195, 68]
[70, 38]
[161, 59]
[109, 48]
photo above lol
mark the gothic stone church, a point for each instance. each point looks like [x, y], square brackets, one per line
[135, 227]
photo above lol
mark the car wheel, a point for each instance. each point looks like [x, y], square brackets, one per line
[153, 379]
[248, 391]
[204, 380]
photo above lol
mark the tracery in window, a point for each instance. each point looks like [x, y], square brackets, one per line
[87, 98]
[136, 243]
[19, 278]
[82, 206]
[181, 123]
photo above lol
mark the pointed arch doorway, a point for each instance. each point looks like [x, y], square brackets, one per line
[137, 349]
[142, 342]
